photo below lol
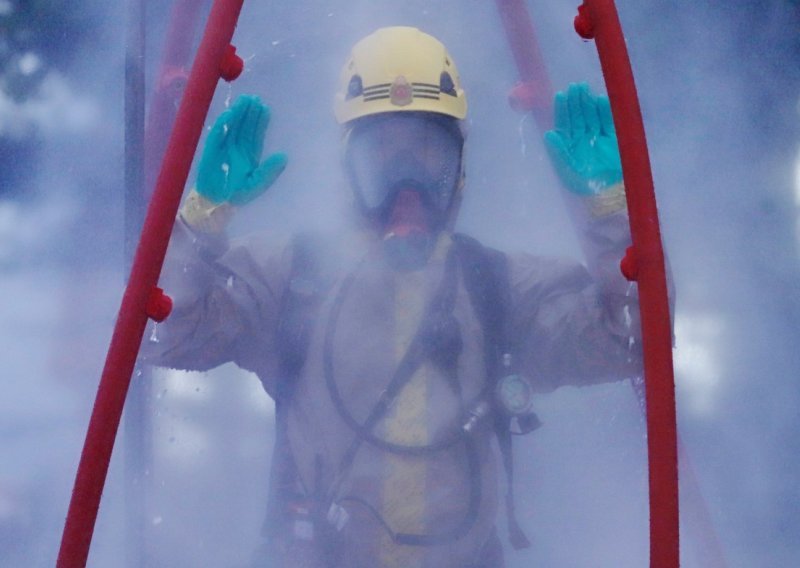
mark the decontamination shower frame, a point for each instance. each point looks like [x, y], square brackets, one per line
[643, 263]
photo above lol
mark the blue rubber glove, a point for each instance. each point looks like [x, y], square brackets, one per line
[583, 146]
[230, 169]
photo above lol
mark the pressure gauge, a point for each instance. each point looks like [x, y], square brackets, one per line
[515, 395]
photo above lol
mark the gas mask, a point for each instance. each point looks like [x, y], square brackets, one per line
[405, 168]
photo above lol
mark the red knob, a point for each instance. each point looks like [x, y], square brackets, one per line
[159, 305]
[526, 96]
[583, 23]
[629, 265]
[231, 65]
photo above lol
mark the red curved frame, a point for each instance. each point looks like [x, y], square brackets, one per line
[598, 19]
[142, 299]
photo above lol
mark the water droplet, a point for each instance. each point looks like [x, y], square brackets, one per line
[521, 130]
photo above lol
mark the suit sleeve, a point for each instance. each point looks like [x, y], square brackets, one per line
[577, 324]
[226, 304]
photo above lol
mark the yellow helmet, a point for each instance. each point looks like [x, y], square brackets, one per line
[399, 69]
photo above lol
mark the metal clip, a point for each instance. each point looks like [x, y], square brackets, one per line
[476, 413]
[338, 516]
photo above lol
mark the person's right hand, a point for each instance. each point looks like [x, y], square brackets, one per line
[230, 169]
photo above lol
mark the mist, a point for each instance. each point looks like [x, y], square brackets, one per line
[719, 85]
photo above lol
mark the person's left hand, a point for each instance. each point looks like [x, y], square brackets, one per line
[583, 145]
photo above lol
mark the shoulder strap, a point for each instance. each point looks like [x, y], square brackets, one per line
[488, 283]
[301, 298]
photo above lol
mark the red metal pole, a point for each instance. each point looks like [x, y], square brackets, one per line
[170, 83]
[141, 296]
[599, 19]
[534, 93]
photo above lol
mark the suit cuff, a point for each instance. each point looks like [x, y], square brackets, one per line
[204, 215]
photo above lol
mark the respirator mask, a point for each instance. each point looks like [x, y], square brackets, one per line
[405, 168]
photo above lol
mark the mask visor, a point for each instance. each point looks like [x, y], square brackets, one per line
[400, 150]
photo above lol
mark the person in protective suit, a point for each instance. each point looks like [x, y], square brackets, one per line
[397, 355]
